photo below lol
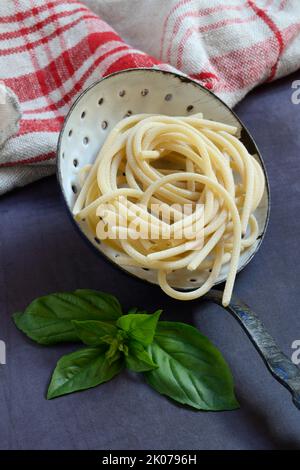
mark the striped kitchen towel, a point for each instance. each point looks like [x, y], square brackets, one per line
[52, 50]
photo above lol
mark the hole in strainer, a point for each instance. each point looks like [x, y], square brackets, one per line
[168, 97]
[104, 124]
[122, 93]
[74, 188]
[100, 101]
[86, 140]
[83, 114]
[75, 162]
[145, 92]
[193, 280]
[97, 240]
[189, 108]
[70, 132]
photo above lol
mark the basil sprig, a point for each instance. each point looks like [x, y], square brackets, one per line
[175, 358]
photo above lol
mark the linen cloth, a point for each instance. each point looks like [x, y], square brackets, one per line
[52, 50]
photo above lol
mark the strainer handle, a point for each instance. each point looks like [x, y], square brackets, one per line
[280, 366]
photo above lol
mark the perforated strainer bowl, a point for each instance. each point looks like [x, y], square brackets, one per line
[135, 91]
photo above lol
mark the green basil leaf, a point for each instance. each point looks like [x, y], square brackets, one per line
[140, 327]
[191, 370]
[91, 332]
[47, 320]
[82, 369]
[138, 359]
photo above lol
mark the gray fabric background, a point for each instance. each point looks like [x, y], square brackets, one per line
[40, 252]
